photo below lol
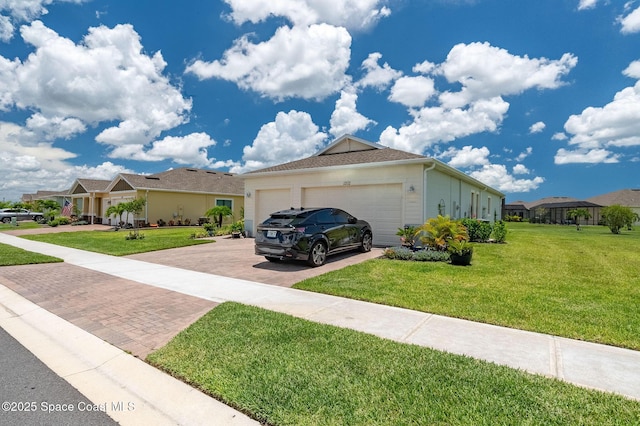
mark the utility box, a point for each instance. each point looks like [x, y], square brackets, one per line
[14, 221]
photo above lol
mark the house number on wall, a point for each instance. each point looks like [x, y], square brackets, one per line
[346, 183]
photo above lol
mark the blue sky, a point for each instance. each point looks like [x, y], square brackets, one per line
[535, 98]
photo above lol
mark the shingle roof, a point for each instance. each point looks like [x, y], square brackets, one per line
[343, 159]
[94, 185]
[624, 197]
[188, 180]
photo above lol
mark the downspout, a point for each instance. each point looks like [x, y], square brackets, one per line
[146, 206]
[92, 205]
[424, 192]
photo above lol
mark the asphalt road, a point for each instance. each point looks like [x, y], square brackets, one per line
[32, 394]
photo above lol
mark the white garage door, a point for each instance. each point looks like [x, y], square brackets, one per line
[380, 205]
[271, 200]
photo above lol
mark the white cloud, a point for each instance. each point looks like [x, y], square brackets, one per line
[486, 71]
[412, 91]
[631, 22]
[467, 157]
[16, 11]
[587, 4]
[486, 74]
[615, 124]
[307, 62]
[497, 176]
[290, 137]
[592, 156]
[520, 169]
[537, 127]
[379, 77]
[432, 125]
[190, 150]
[111, 80]
[345, 118]
[633, 70]
[425, 67]
[27, 168]
[352, 14]
[527, 152]
[559, 136]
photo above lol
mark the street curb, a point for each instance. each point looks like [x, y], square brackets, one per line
[126, 388]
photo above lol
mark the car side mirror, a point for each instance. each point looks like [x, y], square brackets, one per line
[353, 220]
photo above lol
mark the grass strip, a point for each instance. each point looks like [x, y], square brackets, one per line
[10, 255]
[114, 242]
[549, 279]
[287, 371]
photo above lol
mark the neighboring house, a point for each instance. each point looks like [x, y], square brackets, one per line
[86, 198]
[555, 209]
[386, 187]
[625, 197]
[175, 195]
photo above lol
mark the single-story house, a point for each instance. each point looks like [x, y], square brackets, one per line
[625, 197]
[555, 209]
[387, 187]
[176, 196]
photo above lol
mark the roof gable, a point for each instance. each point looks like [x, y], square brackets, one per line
[348, 143]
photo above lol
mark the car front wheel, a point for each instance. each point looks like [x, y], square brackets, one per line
[317, 254]
[367, 242]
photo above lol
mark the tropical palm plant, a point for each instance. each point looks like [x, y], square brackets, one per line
[439, 231]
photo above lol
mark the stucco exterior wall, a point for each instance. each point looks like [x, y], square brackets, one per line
[174, 205]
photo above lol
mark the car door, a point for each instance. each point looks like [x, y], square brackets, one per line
[327, 225]
[351, 235]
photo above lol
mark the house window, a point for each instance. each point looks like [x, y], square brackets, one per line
[228, 203]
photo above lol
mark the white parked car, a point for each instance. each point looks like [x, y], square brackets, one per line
[19, 214]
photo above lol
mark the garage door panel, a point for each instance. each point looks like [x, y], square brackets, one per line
[380, 205]
[271, 200]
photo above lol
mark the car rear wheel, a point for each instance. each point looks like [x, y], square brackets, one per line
[6, 219]
[37, 218]
[317, 254]
[367, 242]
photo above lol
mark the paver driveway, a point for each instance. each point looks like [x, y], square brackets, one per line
[235, 257]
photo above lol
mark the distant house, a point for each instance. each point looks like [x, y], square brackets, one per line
[86, 199]
[555, 209]
[179, 196]
[387, 187]
[176, 195]
[625, 197]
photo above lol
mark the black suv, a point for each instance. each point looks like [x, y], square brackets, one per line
[311, 234]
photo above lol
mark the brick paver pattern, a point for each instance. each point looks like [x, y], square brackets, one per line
[134, 317]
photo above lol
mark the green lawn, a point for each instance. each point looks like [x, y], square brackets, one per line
[25, 224]
[114, 243]
[10, 255]
[550, 279]
[287, 371]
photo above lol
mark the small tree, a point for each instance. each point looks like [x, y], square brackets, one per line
[219, 212]
[576, 214]
[135, 207]
[116, 210]
[617, 216]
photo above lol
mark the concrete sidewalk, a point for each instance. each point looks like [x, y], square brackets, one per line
[585, 364]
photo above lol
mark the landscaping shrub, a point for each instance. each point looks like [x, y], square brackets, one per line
[134, 236]
[400, 253]
[53, 223]
[500, 231]
[404, 253]
[478, 230]
[431, 256]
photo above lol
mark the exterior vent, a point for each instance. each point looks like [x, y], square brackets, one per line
[152, 177]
